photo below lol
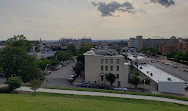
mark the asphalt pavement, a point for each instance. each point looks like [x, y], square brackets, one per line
[60, 77]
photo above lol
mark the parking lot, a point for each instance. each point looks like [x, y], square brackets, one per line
[180, 70]
[59, 78]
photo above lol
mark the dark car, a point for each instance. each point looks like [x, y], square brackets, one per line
[101, 86]
[85, 84]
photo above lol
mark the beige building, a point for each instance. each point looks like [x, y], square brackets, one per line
[98, 65]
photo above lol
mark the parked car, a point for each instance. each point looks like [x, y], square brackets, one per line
[186, 85]
[85, 84]
[174, 66]
[48, 72]
[70, 79]
[120, 89]
[101, 86]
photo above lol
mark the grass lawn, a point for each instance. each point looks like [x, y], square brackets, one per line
[60, 102]
[120, 92]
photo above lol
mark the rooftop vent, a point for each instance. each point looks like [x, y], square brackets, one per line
[151, 74]
[169, 79]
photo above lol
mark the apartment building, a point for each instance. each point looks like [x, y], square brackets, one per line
[139, 43]
[99, 63]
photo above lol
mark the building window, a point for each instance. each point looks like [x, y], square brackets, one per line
[106, 68]
[117, 76]
[119, 83]
[102, 68]
[106, 61]
[111, 61]
[117, 61]
[111, 68]
[102, 61]
[117, 68]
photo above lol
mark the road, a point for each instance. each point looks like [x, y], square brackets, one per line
[60, 77]
[177, 72]
[105, 94]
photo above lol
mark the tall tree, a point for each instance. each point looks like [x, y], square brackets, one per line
[72, 49]
[17, 62]
[111, 78]
[19, 41]
[135, 80]
[42, 64]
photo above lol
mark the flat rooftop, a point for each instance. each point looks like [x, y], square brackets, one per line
[156, 74]
[96, 53]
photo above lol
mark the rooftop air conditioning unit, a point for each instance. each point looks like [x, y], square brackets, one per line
[169, 79]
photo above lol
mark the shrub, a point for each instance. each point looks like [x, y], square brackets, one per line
[5, 90]
[14, 82]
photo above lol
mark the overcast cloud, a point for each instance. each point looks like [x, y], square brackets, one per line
[99, 19]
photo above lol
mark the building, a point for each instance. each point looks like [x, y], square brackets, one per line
[179, 45]
[161, 81]
[99, 63]
[139, 43]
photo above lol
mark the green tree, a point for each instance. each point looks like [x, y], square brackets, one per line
[35, 84]
[43, 63]
[90, 45]
[185, 56]
[63, 55]
[17, 62]
[111, 78]
[78, 68]
[135, 80]
[14, 82]
[81, 51]
[72, 49]
[19, 41]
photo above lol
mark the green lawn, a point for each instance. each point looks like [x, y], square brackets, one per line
[59, 102]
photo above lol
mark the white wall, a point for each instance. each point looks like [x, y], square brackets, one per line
[171, 87]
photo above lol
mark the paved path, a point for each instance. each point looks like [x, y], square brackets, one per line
[105, 94]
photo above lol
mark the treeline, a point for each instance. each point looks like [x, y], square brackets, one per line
[178, 56]
[150, 51]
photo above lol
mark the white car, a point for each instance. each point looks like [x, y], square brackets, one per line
[120, 89]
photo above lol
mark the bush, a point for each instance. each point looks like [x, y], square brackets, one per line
[13, 82]
[5, 90]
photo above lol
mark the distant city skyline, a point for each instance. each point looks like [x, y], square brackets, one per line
[97, 19]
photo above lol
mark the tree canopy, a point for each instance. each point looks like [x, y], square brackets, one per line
[42, 64]
[16, 61]
[19, 41]
[72, 49]
[111, 78]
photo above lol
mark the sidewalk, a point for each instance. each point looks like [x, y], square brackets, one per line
[105, 94]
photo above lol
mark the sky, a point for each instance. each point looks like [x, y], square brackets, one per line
[96, 19]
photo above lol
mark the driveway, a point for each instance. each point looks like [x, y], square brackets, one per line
[60, 77]
[105, 94]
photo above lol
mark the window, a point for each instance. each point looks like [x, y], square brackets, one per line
[117, 68]
[106, 68]
[119, 83]
[102, 61]
[111, 68]
[106, 61]
[117, 76]
[111, 61]
[102, 68]
[117, 61]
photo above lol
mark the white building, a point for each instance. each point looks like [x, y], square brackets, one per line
[99, 63]
[164, 82]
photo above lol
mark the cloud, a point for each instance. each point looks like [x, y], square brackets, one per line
[110, 8]
[165, 3]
